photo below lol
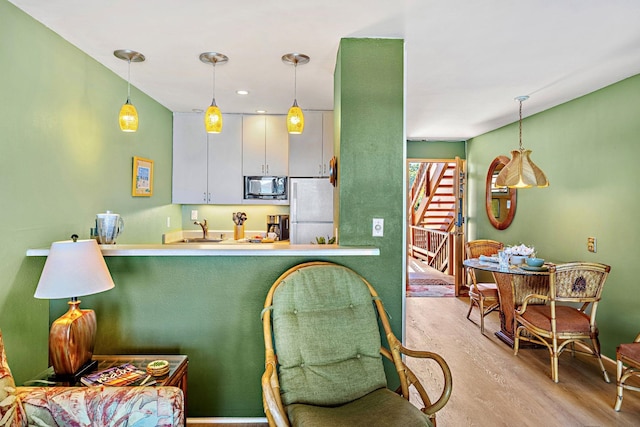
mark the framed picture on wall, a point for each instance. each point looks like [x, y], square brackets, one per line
[142, 181]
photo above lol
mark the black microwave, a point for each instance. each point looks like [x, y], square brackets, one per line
[265, 187]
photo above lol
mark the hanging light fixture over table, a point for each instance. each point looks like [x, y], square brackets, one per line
[521, 172]
[295, 118]
[128, 117]
[213, 116]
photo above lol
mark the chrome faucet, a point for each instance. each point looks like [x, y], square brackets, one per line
[205, 228]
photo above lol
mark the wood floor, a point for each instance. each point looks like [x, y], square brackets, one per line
[492, 387]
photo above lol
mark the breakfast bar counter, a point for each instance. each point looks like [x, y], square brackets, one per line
[235, 249]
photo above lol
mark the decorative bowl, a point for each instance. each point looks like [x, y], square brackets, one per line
[517, 259]
[535, 262]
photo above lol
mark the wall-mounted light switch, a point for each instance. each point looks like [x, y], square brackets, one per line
[194, 215]
[378, 227]
[591, 244]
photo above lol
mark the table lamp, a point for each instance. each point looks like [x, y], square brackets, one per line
[73, 268]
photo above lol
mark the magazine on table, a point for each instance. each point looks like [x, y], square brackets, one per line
[122, 375]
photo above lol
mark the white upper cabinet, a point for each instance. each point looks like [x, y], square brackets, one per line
[311, 151]
[265, 148]
[207, 168]
[224, 179]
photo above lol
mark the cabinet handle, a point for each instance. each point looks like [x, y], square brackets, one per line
[262, 169]
[204, 197]
[267, 169]
[320, 169]
[209, 198]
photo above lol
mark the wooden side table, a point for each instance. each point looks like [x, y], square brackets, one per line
[177, 376]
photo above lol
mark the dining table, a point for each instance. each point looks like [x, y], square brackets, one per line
[514, 283]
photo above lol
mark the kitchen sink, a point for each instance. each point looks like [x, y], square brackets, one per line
[199, 240]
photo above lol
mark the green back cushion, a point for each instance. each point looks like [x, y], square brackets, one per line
[326, 337]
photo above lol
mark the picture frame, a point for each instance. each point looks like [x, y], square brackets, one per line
[142, 179]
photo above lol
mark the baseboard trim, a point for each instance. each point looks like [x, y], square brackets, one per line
[226, 420]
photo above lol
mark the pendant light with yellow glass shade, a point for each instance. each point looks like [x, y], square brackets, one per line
[521, 172]
[295, 118]
[213, 116]
[128, 117]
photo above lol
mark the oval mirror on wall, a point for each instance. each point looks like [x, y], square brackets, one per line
[500, 201]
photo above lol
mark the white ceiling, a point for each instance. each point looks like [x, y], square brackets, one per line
[466, 59]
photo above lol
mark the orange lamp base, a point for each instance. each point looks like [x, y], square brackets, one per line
[71, 339]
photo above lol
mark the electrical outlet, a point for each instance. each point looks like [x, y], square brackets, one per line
[168, 222]
[378, 227]
[591, 244]
[194, 215]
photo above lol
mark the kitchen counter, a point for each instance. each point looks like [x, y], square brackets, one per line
[228, 249]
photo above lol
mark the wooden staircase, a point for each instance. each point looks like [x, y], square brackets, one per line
[432, 196]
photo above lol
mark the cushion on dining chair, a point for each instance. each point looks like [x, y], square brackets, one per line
[567, 318]
[327, 337]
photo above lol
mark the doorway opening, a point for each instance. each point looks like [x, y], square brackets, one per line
[435, 226]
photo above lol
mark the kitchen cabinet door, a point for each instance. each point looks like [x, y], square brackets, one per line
[225, 182]
[327, 141]
[207, 168]
[264, 146]
[311, 151]
[305, 150]
[189, 159]
[276, 146]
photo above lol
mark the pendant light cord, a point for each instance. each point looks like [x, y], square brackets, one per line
[213, 100]
[129, 81]
[521, 149]
[295, 80]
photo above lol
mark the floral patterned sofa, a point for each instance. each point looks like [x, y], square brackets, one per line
[87, 406]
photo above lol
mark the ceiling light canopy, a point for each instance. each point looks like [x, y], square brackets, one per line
[213, 116]
[295, 118]
[128, 116]
[521, 172]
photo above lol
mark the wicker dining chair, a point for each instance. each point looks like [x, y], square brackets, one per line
[558, 326]
[322, 318]
[627, 365]
[483, 295]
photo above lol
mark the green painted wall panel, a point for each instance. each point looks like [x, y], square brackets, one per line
[436, 149]
[588, 149]
[63, 159]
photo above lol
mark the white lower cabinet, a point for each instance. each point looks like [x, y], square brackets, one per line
[207, 168]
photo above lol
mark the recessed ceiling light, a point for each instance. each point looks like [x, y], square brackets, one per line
[197, 110]
[261, 111]
[242, 92]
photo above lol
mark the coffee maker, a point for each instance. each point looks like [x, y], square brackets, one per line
[278, 224]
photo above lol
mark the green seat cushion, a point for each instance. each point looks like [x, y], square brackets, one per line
[326, 337]
[382, 408]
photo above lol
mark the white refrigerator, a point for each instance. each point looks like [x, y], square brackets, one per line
[310, 210]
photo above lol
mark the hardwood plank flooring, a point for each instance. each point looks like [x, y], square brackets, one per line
[492, 387]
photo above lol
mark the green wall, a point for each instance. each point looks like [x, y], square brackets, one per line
[588, 148]
[436, 149]
[63, 159]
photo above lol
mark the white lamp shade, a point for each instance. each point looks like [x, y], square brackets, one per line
[74, 269]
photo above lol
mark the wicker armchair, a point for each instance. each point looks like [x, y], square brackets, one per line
[329, 367]
[87, 406]
[627, 365]
[482, 295]
[557, 326]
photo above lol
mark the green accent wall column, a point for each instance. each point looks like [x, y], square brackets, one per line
[370, 147]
